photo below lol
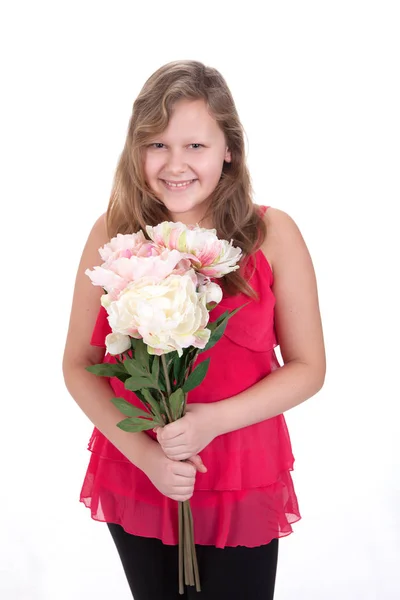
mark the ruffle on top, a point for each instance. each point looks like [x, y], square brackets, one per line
[247, 496]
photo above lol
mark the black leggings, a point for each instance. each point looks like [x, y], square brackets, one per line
[239, 573]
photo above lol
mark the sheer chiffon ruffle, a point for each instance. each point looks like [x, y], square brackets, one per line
[249, 517]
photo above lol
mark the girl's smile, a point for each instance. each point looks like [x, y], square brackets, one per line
[183, 164]
[178, 186]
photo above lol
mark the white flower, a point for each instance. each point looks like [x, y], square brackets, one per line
[212, 292]
[169, 315]
[117, 343]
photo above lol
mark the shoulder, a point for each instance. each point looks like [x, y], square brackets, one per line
[86, 301]
[97, 237]
[99, 228]
[283, 238]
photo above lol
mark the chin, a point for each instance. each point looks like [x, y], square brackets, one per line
[179, 205]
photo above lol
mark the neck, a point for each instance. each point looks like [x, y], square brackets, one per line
[194, 218]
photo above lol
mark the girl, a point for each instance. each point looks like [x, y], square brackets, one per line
[184, 160]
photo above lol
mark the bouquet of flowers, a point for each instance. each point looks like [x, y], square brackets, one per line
[158, 294]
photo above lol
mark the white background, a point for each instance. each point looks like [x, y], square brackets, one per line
[317, 86]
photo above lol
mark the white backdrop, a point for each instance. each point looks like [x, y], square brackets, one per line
[317, 87]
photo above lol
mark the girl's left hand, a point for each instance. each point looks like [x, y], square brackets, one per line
[190, 434]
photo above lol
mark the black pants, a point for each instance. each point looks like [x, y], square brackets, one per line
[239, 573]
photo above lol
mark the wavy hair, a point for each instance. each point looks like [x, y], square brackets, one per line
[133, 205]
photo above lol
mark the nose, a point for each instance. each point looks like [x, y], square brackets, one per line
[176, 162]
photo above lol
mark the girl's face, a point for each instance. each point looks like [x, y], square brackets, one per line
[183, 165]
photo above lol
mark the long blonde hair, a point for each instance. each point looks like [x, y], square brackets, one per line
[133, 205]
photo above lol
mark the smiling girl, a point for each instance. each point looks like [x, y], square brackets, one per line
[184, 160]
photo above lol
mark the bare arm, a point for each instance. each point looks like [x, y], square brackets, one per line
[299, 331]
[92, 393]
[298, 328]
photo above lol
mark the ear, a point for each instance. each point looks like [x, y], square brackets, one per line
[228, 156]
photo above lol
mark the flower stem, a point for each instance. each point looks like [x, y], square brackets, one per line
[187, 550]
[188, 372]
[168, 385]
[193, 549]
[181, 585]
[166, 408]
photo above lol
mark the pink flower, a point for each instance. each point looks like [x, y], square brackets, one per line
[210, 256]
[130, 257]
[116, 275]
[122, 245]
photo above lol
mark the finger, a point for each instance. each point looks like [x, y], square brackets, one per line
[184, 456]
[175, 450]
[173, 455]
[184, 481]
[177, 442]
[181, 498]
[183, 490]
[198, 463]
[170, 431]
[184, 469]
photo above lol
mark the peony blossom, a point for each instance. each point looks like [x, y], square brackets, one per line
[168, 314]
[212, 292]
[212, 257]
[115, 275]
[120, 244]
[117, 343]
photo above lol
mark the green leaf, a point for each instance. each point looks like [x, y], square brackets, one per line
[217, 334]
[212, 326]
[128, 409]
[106, 369]
[221, 318]
[176, 401]
[197, 376]
[134, 368]
[141, 397]
[180, 366]
[109, 370]
[136, 383]
[148, 396]
[170, 366]
[179, 361]
[141, 355]
[156, 373]
[134, 425]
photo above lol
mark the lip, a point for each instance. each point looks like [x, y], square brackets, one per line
[178, 185]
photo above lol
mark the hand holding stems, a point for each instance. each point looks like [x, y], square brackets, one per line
[185, 438]
[173, 479]
[174, 474]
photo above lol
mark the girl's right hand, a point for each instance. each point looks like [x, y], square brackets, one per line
[175, 479]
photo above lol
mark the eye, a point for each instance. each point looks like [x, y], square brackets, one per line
[196, 146]
[157, 145]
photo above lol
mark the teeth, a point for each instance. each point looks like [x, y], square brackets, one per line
[178, 184]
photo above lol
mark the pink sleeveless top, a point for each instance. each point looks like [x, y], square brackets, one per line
[247, 496]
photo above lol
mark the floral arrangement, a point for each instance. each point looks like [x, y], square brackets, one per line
[158, 295]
